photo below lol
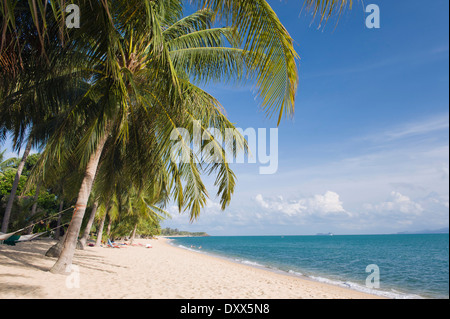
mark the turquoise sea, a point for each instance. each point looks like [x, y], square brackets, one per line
[408, 266]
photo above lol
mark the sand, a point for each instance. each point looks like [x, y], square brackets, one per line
[160, 272]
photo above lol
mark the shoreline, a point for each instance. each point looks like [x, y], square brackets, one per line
[336, 280]
[276, 271]
[161, 272]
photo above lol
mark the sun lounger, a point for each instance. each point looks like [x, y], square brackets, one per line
[112, 244]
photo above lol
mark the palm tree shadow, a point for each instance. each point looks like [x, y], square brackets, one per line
[19, 289]
[23, 259]
[94, 262]
[32, 256]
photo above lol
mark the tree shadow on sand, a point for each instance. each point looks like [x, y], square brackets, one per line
[32, 255]
[11, 290]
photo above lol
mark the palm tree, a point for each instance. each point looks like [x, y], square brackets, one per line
[134, 211]
[126, 44]
[120, 82]
[33, 90]
[15, 184]
[144, 68]
[6, 164]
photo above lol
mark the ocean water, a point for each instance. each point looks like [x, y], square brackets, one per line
[406, 266]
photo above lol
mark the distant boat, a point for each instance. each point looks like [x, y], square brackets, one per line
[324, 234]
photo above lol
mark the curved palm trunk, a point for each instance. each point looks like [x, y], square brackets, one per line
[133, 235]
[87, 230]
[9, 205]
[100, 231]
[64, 262]
[108, 229]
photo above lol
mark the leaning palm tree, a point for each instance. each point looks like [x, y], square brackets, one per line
[126, 94]
[107, 45]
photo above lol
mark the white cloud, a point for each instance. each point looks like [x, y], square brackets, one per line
[400, 212]
[317, 205]
[397, 203]
[394, 180]
[326, 204]
[212, 206]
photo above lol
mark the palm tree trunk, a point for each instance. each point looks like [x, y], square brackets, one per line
[9, 205]
[64, 261]
[55, 250]
[36, 196]
[133, 234]
[87, 230]
[100, 231]
[58, 223]
[34, 207]
[108, 229]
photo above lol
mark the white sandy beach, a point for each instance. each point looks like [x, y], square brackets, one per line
[161, 272]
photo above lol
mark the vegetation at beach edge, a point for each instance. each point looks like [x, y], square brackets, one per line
[175, 232]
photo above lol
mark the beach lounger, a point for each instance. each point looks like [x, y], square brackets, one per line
[112, 245]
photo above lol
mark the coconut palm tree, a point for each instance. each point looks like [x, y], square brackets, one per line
[34, 87]
[6, 164]
[137, 209]
[125, 44]
[117, 90]
[139, 63]
[9, 205]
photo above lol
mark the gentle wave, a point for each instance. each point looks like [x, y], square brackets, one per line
[241, 261]
[295, 273]
[248, 262]
[188, 248]
[393, 294]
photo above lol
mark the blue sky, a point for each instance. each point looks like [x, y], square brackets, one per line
[367, 150]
